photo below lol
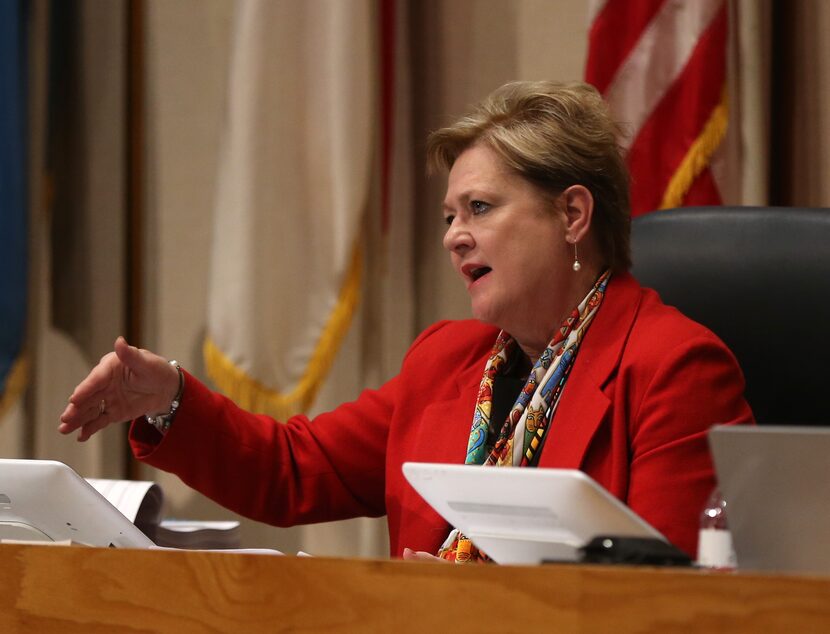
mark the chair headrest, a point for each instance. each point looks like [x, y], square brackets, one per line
[759, 277]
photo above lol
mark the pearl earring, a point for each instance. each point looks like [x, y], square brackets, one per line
[576, 265]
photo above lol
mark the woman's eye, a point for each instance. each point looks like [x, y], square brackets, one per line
[478, 206]
[448, 219]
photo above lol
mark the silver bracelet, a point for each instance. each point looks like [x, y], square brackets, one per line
[162, 422]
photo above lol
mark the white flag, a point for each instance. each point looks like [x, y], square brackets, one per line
[293, 187]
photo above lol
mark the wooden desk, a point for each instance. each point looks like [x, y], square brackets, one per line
[78, 589]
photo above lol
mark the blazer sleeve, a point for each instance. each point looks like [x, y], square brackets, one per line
[300, 471]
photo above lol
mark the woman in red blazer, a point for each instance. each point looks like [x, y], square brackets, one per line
[569, 363]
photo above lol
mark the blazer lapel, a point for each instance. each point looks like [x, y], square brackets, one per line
[443, 438]
[446, 423]
[583, 403]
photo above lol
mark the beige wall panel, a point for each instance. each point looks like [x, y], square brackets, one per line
[811, 115]
[552, 39]
[61, 361]
[186, 58]
[104, 59]
[462, 49]
[749, 114]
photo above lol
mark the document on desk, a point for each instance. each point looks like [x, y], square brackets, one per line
[140, 501]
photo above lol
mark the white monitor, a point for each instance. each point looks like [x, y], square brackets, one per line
[45, 500]
[525, 516]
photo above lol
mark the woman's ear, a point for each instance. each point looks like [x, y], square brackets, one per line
[579, 212]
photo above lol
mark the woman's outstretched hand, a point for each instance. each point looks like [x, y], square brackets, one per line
[127, 383]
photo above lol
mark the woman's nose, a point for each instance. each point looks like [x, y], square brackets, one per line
[458, 238]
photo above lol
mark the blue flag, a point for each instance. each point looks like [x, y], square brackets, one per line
[13, 197]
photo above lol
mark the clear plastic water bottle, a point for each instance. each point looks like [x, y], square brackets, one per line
[714, 546]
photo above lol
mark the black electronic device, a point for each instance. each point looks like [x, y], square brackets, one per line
[638, 551]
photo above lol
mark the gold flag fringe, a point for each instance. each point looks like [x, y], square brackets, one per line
[252, 395]
[699, 154]
[16, 384]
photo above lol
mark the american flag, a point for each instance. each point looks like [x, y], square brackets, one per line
[661, 65]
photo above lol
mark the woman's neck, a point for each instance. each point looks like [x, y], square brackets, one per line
[534, 344]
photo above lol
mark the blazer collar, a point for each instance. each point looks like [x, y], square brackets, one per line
[583, 404]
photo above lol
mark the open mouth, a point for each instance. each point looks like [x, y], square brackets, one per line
[480, 272]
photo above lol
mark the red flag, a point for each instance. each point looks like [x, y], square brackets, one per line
[661, 65]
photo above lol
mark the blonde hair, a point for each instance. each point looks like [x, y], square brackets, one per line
[555, 135]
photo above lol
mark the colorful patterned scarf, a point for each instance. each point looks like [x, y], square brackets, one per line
[520, 440]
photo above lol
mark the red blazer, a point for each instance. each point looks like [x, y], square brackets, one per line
[646, 386]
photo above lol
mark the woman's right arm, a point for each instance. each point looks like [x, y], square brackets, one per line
[281, 473]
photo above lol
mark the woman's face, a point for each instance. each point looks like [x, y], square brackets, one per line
[506, 239]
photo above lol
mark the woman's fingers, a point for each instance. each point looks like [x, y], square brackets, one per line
[420, 555]
[84, 408]
[110, 370]
[134, 359]
[93, 410]
[96, 381]
[91, 428]
[93, 401]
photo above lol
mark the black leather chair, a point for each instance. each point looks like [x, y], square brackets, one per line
[759, 277]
